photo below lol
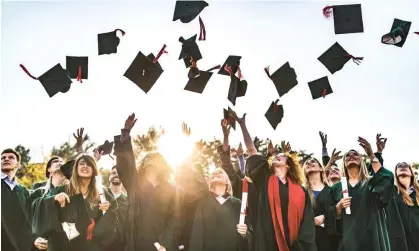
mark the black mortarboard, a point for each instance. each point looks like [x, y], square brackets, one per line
[198, 81]
[228, 115]
[108, 42]
[145, 71]
[232, 61]
[398, 34]
[237, 89]
[275, 114]
[186, 11]
[189, 49]
[77, 67]
[347, 18]
[67, 168]
[336, 57]
[55, 80]
[320, 87]
[106, 147]
[284, 78]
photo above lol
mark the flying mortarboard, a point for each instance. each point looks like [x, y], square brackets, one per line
[55, 80]
[186, 11]
[275, 114]
[347, 18]
[398, 34]
[228, 115]
[336, 57]
[234, 62]
[238, 87]
[284, 78]
[77, 67]
[189, 49]
[108, 42]
[106, 148]
[199, 82]
[145, 71]
[320, 87]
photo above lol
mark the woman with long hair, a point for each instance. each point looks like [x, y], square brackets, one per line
[77, 219]
[285, 215]
[363, 226]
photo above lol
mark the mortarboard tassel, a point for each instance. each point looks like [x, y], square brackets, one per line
[417, 32]
[202, 31]
[275, 108]
[27, 72]
[324, 92]
[267, 71]
[228, 69]
[122, 32]
[79, 75]
[239, 72]
[214, 68]
[90, 229]
[327, 11]
[356, 60]
[160, 53]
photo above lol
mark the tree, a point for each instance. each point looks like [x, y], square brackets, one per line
[35, 172]
[24, 160]
[105, 173]
[67, 150]
[147, 142]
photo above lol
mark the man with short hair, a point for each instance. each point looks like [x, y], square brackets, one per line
[53, 165]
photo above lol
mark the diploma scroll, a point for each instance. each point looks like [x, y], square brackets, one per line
[157, 245]
[101, 191]
[345, 192]
[245, 188]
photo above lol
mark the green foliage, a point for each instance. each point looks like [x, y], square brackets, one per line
[24, 160]
[105, 176]
[67, 150]
[35, 172]
[147, 142]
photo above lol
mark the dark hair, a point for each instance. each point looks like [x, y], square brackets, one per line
[113, 167]
[10, 150]
[49, 165]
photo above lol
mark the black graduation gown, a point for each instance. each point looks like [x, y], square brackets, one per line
[38, 185]
[16, 234]
[323, 241]
[48, 216]
[264, 235]
[151, 211]
[365, 228]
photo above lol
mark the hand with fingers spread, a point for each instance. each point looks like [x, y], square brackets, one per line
[241, 121]
[271, 149]
[79, 139]
[323, 137]
[226, 127]
[381, 143]
[367, 147]
[130, 122]
[335, 157]
[239, 151]
[286, 147]
[62, 198]
[186, 130]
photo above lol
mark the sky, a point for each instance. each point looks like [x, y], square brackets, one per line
[378, 96]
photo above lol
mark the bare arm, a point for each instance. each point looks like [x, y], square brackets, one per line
[246, 135]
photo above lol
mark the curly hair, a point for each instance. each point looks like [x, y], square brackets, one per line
[295, 172]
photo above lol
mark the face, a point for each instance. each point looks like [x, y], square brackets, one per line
[114, 178]
[217, 177]
[84, 170]
[403, 170]
[55, 165]
[334, 174]
[312, 166]
[352, 158]
[59, 176]
[9, 162]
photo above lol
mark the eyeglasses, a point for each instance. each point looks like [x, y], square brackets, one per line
[403, 165]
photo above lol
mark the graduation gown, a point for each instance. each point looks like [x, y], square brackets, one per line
[365, 228]
[16, 234]
[152, 211]
[48, 216]
[265, 234]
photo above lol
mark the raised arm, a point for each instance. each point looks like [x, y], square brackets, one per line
[79, 140]
[325, 154]
[246, 136]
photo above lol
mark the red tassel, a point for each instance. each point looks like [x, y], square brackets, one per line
[228, 69]
[160, 53]
[123, 32]
[27, 72]
[324, 92]
[202, 31]
[267, 71]
[356, 60]
[239, 72]
[327, 11]
[417, 32]
[214, 68]
[275, 108]
[79, 75]
[90, 229]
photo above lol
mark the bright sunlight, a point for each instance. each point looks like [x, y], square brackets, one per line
[175, 147]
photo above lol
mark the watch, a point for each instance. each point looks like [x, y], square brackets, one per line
[375, 160]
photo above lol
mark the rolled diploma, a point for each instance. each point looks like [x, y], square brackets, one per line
[157, 245]
[243, 208]
[101, 191]
[345, 192]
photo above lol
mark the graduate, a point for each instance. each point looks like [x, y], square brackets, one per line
[332, 171]
[77, 218]
[151, 222]
[285, 214]
[16, 234]
[358, 220]
[53, 164]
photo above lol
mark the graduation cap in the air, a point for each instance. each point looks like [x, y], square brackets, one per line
[228, 115]
[398, 34]
[186, 11]
[320, 87]
[189, 49]
[347, 18]
[198, 81]
[234, 62]
[284, 78]
[55, 80]
[77, 67]
[336, 57]
[238, 86]
[106, 148]
[67, 168]
[144, 71]
[108, 42]
[274, 114]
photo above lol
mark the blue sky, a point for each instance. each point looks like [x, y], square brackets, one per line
[380, 95]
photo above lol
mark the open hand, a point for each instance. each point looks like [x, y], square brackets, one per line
[271, 149]
[79, 139]
[130, 122]
[381, 143]
[335, 157]
[242, 120]
[186, 130]
[61, 198]
[239, 151]
[367, 147]
[286, 147]
[323, 137]
[225, 126]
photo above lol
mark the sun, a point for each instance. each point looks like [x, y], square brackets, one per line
[175, 148]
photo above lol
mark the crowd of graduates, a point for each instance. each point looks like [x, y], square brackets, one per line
[266, 203]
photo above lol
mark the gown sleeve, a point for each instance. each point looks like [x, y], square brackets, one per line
[396, 232]
[306, 236]
[333, 225]
[233, 175]
[381, 184]
[258, 169]
[125, 163]
[196, 240]
[104, 232]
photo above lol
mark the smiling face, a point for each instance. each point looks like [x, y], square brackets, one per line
[403, 170]
[352, 159]
[312, 166]
[279, 161]
[114, 178]
[9, 162]
[84, 169]
[334, 174]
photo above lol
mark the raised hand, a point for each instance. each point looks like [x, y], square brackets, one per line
[323, 137]
[186, 130]
[226, 127]
[367, 147]
[130, 122]
[271, 149]
[335, 157]
[239, 151]
[286, 147]
[381, 143]
[241, 121]
[79, 139]
[97, 154]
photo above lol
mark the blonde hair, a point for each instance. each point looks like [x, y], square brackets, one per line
[404, 190]
[295, 171]
[363, 171]
[229, 187]
[322, 178]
